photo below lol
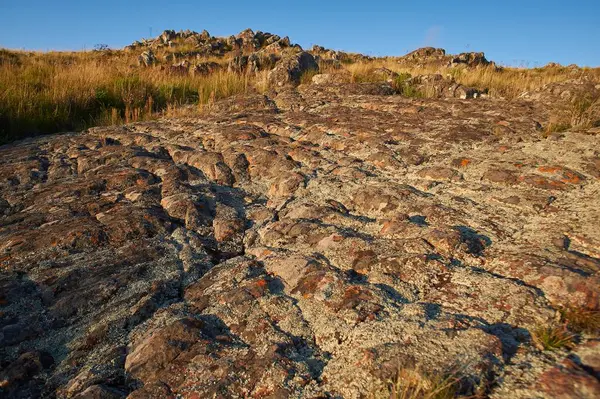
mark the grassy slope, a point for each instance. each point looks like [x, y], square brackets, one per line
[51, 92]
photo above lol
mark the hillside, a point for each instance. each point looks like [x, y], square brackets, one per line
[302, 224]
[54, 92]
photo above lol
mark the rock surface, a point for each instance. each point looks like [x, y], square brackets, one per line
[289, 70]
[306, 246]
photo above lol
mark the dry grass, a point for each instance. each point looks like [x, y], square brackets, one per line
[50, 92]
[506, 82]
[549, 338]
[582, 320]
[557, 127]
[411, 383]
[583, 113]
[58, 91]
[307, 76]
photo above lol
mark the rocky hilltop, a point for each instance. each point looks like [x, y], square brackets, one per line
[251, 52]
[316, 241]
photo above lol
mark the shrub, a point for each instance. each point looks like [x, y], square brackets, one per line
[407, 90]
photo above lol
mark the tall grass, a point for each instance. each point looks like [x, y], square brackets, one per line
[51, 92]
[58, 91]
[505, 82]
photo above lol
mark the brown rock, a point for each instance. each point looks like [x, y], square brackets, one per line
[440, 173]
[500, 176]
[569, 380]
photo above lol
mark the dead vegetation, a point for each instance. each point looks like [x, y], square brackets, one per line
[414, 384]
[58, 91]
[51, 92]
[508, 83]
[582, 320]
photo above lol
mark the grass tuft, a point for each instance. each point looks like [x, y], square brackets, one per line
[557, 127]
[549, 338]
[410, 383]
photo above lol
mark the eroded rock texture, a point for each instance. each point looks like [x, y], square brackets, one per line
[304, 246]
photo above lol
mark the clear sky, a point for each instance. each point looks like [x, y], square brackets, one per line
[523, 33]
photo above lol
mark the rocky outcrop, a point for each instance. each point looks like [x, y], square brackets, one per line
[429, 56]
[470, 59]
[425, 52]
[308, 244]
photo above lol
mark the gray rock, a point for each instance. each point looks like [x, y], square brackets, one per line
[147, 58]
[289, 70]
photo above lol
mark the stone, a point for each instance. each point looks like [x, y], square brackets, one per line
[440, 173]
[206, 68]
[385, 74]
[147, 58]
[426, 52]
[470, 59]
[500, 176]
[167, 36]
[23, 369]
[289, 70]
[100, 392]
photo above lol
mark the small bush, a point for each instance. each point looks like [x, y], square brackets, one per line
[549, 338]
[401, 78]
[403, 86]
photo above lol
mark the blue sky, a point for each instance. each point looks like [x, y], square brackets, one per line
[525, 33]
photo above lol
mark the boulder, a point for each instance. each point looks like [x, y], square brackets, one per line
[180, 68]
[289, 70]
[206, 68]
[425, 52]
[147, 58]
[204, 36]
[470, 59]
[167, 36]
[385, 74]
